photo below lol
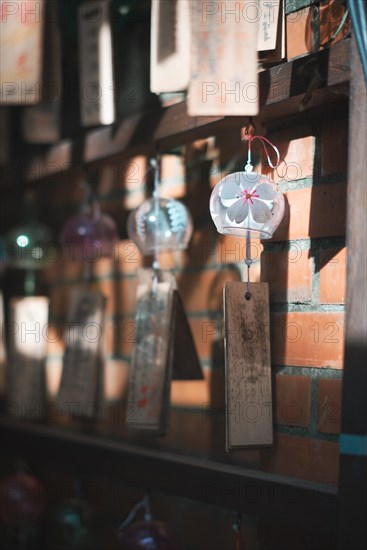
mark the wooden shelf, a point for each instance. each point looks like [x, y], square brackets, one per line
[282, 89]
[250, 491]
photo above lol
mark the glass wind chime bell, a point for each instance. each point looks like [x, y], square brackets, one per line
[247, 204]
[89, 235]
[158, 225]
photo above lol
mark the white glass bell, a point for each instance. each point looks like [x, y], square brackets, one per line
[160, 225]
[246, 202]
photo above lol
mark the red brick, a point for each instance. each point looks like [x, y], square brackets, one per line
[308, 339]
[120, 294]
[116, 376]
[289, 274]
[203, 291]
[302, 458]
[202, 248]
[331, 14]
[231, 249]
[191, 393]
[329, 410]
[172, 176]
[333, 275]
[296, 147]
[207, 333]
[334, 147]
[313, 213]
[299, 33]
[293, 400]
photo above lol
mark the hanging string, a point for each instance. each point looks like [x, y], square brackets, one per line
[248, 263]
[142, 504]
[249, 136]
[265, 143]
[156, 266]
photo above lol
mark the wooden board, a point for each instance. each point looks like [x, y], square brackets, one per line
[82, 359]
[224, 75]
[41, 123]
[21, 51]
[248, 367]
[268, 24]
[97, 99]
[150, 370]
[278, 53]
[352, 532]
[27, 352]
[170, 46]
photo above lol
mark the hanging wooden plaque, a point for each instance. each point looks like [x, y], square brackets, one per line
[41, 123]
[79, 387]
[224, 79]
[21, 51]
[170, 46]
[248, 367]
[27, 352]
[150, 374]
[278, 53]
[268, 25]
[97, 98]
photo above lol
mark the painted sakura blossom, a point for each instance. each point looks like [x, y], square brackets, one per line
[243, 199]
[244, 202]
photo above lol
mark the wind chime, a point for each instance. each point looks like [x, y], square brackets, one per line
[164, 346]
[89, 231]
[247, 204]
[27, 247]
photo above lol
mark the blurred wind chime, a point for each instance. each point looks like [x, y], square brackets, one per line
[247, 204]
[82, 373]
[136, 535]
[27, 248]
[164, 347]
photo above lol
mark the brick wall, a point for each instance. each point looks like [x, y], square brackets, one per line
[304, 264]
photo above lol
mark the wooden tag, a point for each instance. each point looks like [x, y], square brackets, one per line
[82, 359]
[27, 352]
[41, 123]
[21, 51]
[224, 79]
[170, 46]
[185, 361]
[248, 367]
[96, 69]
[279, 52]
[268, 25]
[150, 376]
[2, 347]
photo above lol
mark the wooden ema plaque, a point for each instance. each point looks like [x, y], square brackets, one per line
[27, 352]
[170, 45]
[248, 367]
[97, 98]
[164, 350]
[80, 388]
[21, 51]
[224, 72]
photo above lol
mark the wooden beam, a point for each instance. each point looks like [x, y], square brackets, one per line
[252, 492]
[353, 439]
[282, 90]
